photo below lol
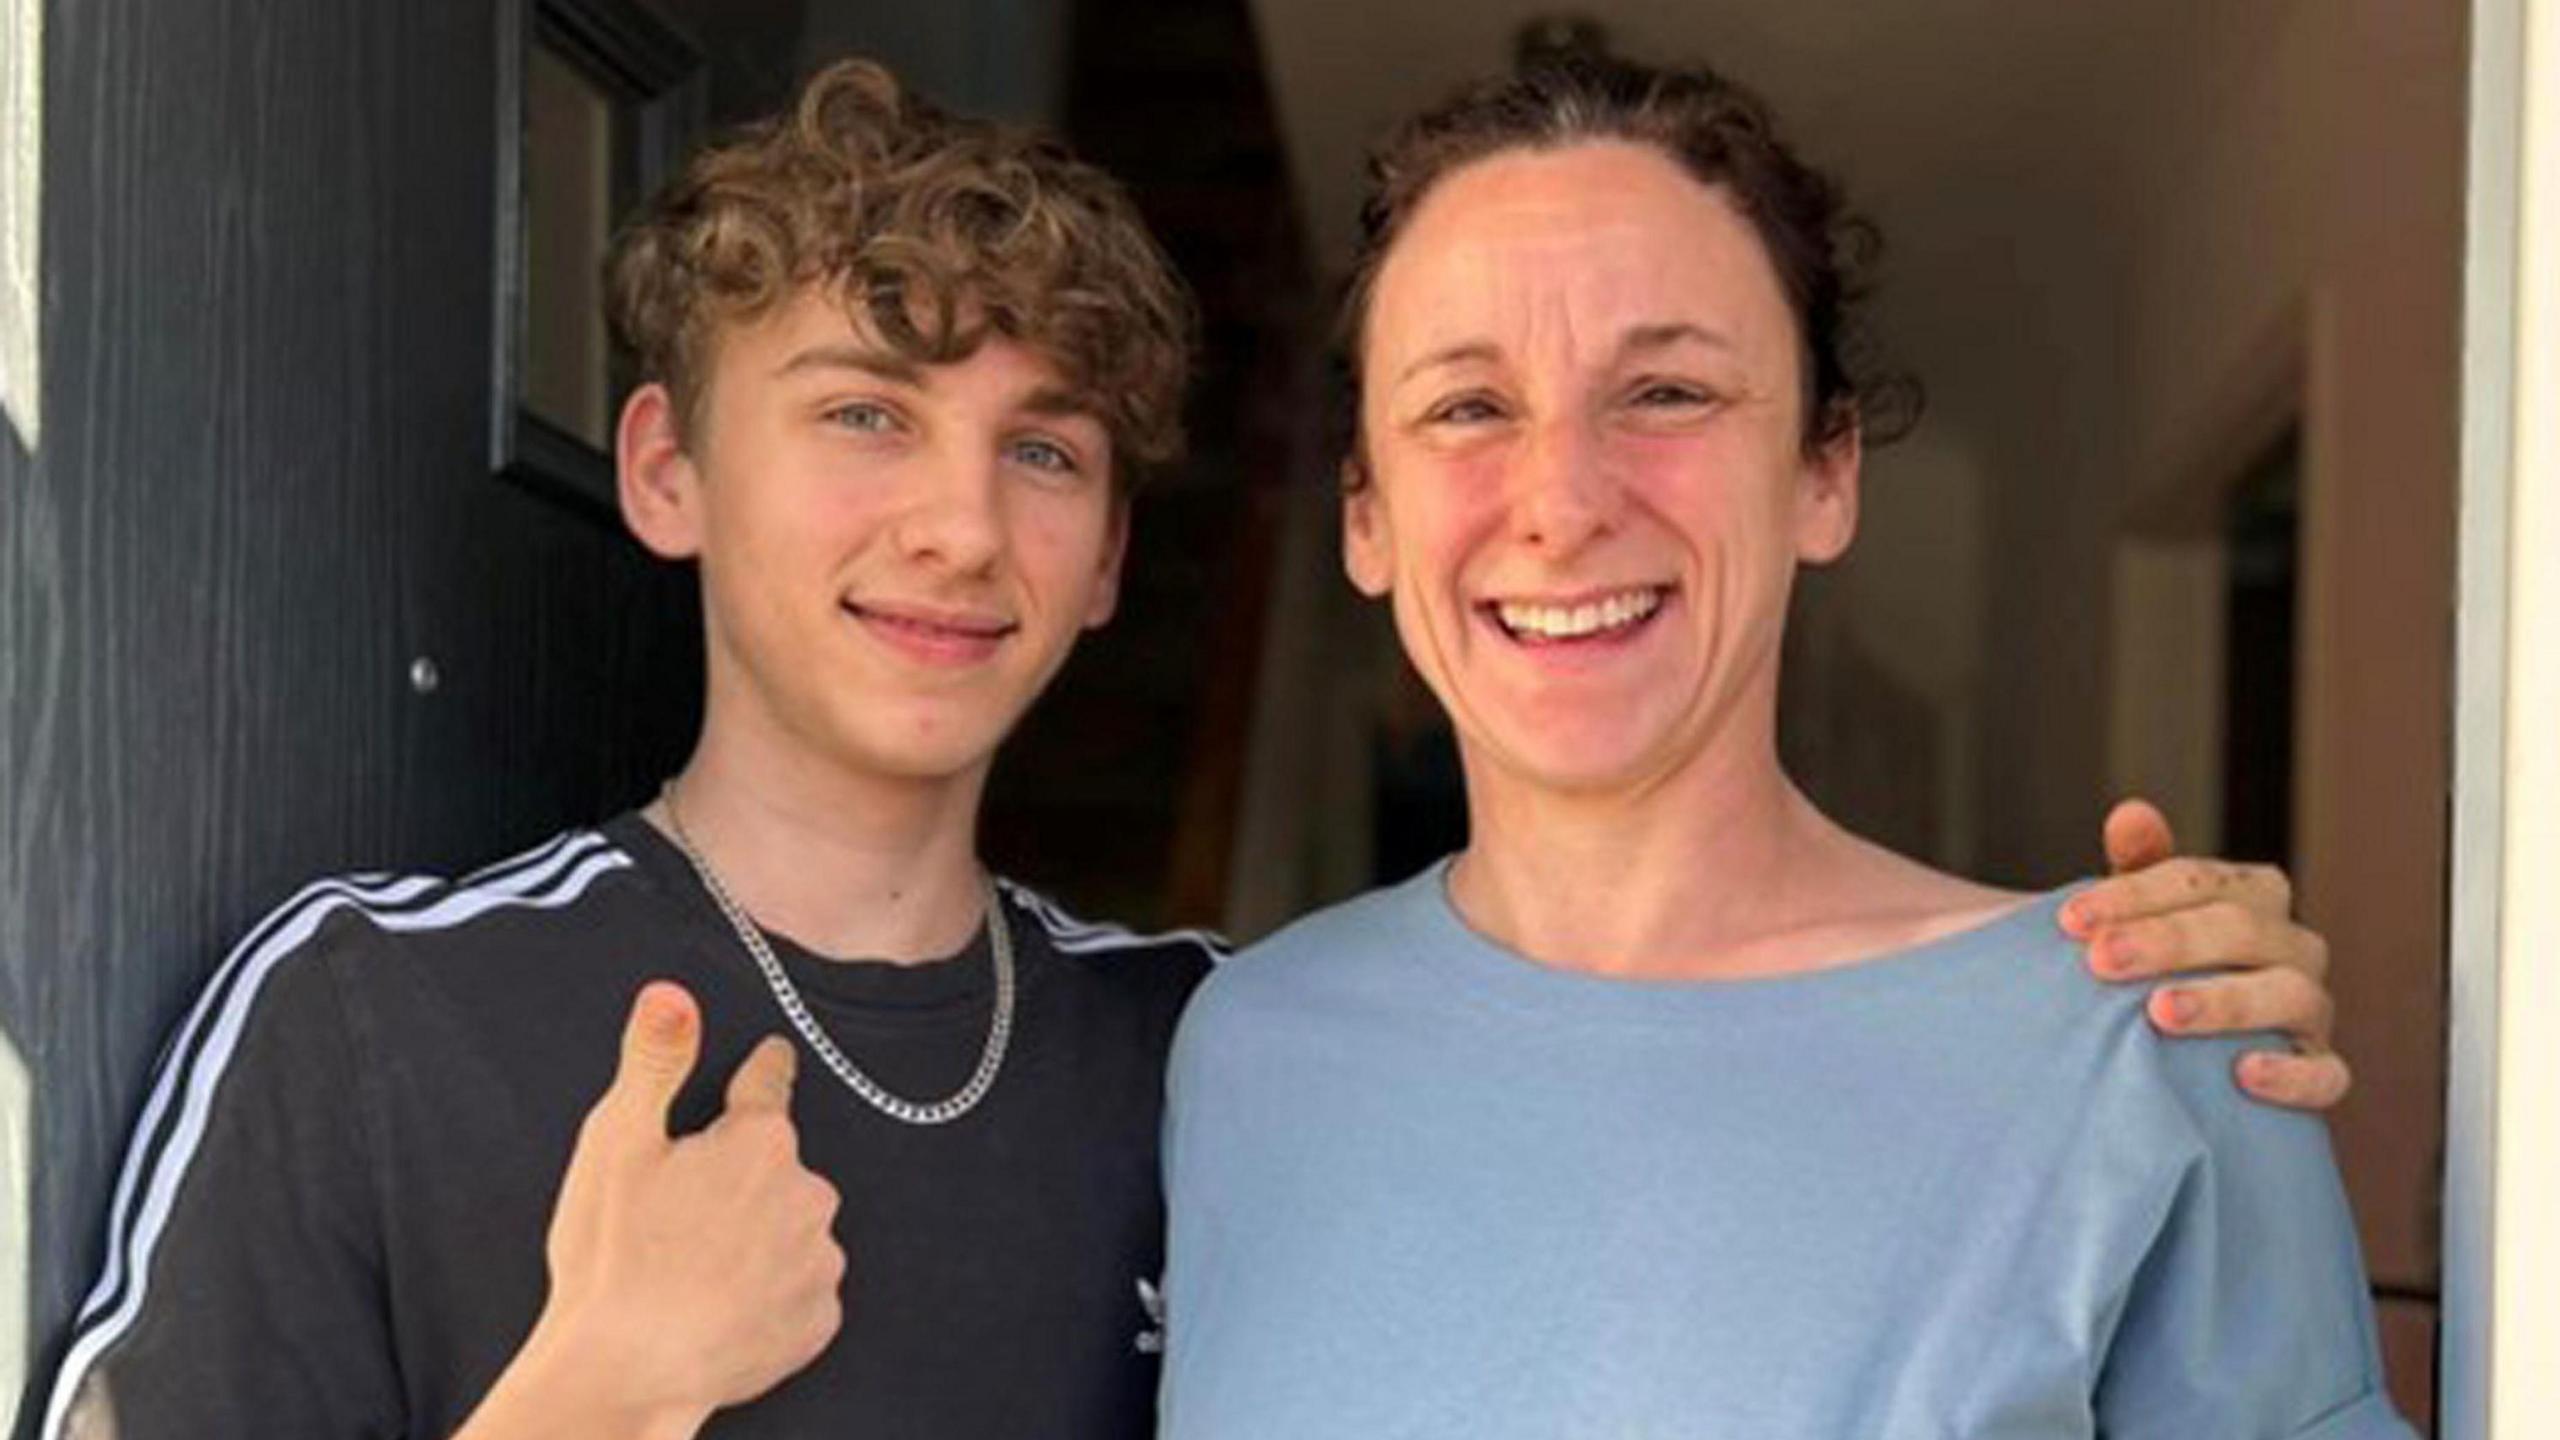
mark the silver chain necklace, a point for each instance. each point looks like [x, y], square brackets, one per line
[897, 1107]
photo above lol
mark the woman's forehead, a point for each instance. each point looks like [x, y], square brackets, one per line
[1571, 246]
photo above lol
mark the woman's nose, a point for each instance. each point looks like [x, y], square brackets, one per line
[1564, 492]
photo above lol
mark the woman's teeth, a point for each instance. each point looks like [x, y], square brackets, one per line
[1574, 622]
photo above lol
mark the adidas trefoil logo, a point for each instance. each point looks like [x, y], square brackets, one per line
[1150, 1299]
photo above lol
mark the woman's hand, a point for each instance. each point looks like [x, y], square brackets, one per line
[2160, 915]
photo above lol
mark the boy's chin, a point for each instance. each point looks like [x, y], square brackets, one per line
[924, 747]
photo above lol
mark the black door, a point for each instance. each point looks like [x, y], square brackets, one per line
[264, 614]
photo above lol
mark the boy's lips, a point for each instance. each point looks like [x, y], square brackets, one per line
[931, 634]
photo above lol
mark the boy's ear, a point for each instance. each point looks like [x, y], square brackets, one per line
[1827, 500]
[1115, 550]
[1368, 539]
[660, 490]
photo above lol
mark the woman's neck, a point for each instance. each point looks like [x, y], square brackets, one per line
[1720, 870]
[842, 862]
[1633, 882]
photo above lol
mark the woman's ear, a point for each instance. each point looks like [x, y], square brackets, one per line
[1827, 499]
[1368, 537]
[656, 481]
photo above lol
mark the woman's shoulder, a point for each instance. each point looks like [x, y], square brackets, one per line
[2186, 1080]
[1336, 950]
[2012, 997]
[1870, 909]
[1342, 934]
[1990, 969]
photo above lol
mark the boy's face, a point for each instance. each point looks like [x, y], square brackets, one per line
[895, 558]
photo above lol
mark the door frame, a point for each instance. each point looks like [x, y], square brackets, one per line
[2502, 1180]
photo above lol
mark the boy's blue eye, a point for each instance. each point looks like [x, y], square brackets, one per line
[1045, 455]
[864, 416]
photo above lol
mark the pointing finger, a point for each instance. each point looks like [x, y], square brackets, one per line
[2297, 1082]
[2178, 884]
[2217, 935]
[763, 1079]
[2277, 999]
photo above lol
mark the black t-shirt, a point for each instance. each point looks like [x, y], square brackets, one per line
[332, 1217]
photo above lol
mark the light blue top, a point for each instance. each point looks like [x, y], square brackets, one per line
[1421, 1186]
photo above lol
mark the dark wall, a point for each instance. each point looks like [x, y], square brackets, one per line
[993, 57]
[260, 495]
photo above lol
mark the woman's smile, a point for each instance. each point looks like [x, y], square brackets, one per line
[1591, 619]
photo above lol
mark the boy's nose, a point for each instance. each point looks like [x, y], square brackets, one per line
[957, 521]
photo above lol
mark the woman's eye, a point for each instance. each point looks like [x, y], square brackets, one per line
[864, 416]
[1046, 455]
[1463, 410]
[1663, 394]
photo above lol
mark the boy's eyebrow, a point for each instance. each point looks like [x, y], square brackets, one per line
[1058, 400]
[896, 369]
[840, 356]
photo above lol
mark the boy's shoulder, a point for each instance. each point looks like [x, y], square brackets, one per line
[353, 948]
[376, 913]
[1173, 960]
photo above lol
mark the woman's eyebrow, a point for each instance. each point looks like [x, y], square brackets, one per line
[1665, 334]
[1458, 354]
[1638, 340]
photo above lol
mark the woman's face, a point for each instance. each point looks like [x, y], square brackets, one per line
[1587, 492]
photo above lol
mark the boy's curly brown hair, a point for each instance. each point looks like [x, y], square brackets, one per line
[935, 230]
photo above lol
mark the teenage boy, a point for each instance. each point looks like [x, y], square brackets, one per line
[903, 369]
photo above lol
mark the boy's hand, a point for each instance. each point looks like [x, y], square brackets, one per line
[2158, 916]
[686, 1274]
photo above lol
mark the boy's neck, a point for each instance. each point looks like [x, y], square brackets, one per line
[845, 864]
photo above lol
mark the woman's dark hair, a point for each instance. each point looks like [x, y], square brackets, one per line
[1720, 133]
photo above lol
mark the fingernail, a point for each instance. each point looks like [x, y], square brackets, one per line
[2180, 1008]
[665, 1012]
[2253, 1070]
[2120, 954]
[2075, 917]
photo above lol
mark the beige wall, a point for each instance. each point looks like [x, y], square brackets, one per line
[2286, 221]
[1912, 590]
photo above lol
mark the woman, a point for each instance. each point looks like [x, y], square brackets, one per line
[1668, 1106]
